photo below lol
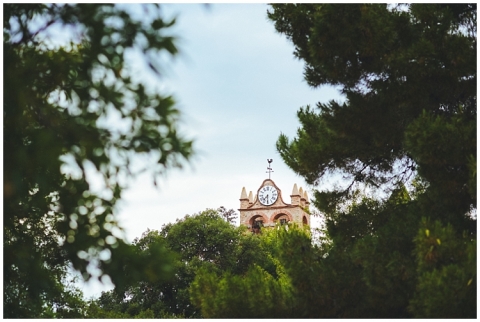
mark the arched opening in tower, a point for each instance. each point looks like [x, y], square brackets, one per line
[282, 219]
[256, 222]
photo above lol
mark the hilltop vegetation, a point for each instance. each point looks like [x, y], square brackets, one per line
[399, 234]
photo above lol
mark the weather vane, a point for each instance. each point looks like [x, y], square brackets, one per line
[269, 168]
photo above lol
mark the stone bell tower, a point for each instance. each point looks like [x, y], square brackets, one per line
[267, 207]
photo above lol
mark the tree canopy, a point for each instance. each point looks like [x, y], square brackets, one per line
[404, 145]
[408, 75]
[76, 112]
[205, 241]
[399, 234]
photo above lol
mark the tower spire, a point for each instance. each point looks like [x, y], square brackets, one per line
[269, 168]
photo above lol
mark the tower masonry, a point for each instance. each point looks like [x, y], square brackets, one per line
[267, 207]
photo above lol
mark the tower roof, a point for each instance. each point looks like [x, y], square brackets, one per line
[244, 194]
[295, 190]
[250, 197]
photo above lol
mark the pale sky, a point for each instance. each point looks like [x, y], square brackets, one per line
[238, 87]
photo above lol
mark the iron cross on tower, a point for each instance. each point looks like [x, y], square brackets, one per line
[269, 168]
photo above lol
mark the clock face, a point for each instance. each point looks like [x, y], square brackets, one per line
[267, 195]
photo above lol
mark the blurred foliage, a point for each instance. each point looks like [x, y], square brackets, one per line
[399, 235]
[76, 111]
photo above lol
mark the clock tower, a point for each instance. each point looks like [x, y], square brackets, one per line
[267, 207]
